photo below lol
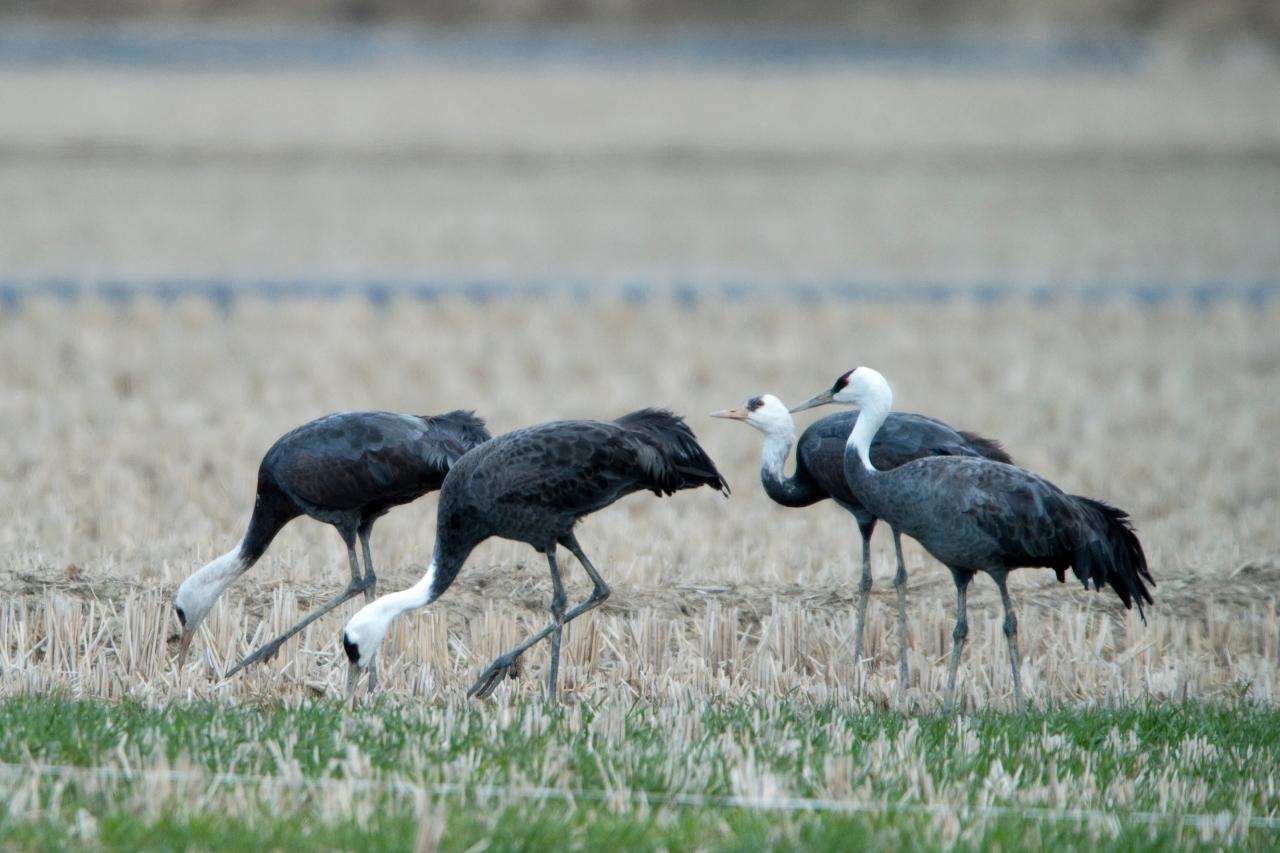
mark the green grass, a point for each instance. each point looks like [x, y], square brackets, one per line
[325, 776]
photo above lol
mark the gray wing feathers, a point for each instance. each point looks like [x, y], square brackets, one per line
[349, 460]
[1006, 517]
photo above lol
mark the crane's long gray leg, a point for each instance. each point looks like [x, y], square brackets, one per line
[370, 579]
[557, 616]
[268, 650]
[600, 589]
[505, 664]
[1010, 635]
[864, 589]
[958, 635]
[900, 585]
[370, 587]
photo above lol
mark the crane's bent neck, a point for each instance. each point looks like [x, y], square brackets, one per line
[422, 593]
[435, 580]
[773, 455]
[228, 567]
[198, 593]
[874, 409]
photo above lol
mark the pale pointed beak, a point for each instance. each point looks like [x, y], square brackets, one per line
[353, 679]
[184, 645]
[738, 414]
[820, 400]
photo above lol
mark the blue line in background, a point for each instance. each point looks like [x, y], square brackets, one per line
[213, 49]
[226, 293]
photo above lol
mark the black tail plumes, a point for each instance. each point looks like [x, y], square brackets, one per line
[987, 447]
[466, 426]
[454, 433]
[1114, 556]
[671, 453]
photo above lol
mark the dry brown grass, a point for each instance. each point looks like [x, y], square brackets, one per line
[134, 438]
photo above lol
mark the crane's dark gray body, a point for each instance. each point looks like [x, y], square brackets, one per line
[979, 516]
[349, 469]
[976, 515]
[533, 485]
[819, 475]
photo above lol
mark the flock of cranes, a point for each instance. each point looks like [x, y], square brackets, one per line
[958, 494]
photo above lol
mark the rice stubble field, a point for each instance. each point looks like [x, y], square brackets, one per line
[712, 702]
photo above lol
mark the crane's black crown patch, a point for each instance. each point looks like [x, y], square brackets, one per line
[842, 382]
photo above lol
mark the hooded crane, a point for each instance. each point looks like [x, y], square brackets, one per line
[819, 475]
[978, 515]
[533, 485]
[346, 469]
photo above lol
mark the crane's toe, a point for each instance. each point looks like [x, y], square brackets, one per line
[262, 655]
[506, 665]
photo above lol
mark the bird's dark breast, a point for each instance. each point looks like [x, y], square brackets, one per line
[827, 470]
[821, 452]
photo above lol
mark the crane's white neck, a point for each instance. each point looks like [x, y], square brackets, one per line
[777, 447]
[197, 594]
[367, 629]
[393, 604]
[875, 402]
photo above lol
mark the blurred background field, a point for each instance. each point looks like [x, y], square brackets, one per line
[1055, 223]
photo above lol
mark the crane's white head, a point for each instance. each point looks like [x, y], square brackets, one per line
[363, 634]
[766, 413]
[863, 387]
[361, 637]
[198, 593]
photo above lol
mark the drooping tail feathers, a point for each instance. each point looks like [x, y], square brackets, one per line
[987, 447]
[1114, 556]
[458, 431]
[675, 459]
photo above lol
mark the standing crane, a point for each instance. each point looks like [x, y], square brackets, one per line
[979, 515]
[533, 485]
[819, 475]
[346, 469]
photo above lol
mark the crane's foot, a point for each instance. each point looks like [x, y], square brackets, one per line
[262, 655]
[506, 665]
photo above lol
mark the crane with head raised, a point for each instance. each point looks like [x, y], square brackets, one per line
[819, 475]
[978, 515]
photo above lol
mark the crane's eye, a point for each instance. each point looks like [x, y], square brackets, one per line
[754, 403]
[842, 382]
[182, 616]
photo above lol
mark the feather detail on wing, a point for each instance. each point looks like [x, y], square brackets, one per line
[669, 452]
